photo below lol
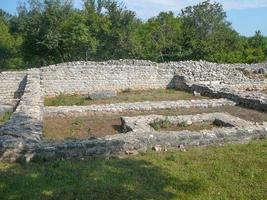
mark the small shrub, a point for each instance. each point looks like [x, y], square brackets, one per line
[182, 124]
[89, 131]
[76, 125]
[157, 124]
[5, 117]
[171, 158]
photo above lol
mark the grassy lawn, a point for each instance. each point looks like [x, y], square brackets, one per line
[127, 96]
[101, 124]
[229, 172]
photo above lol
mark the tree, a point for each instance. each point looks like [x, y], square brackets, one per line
[159, 38]
[9, 47]
[206, 30]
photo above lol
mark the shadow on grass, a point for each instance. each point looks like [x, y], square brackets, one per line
[93, 179]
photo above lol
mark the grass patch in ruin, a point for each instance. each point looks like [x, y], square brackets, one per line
[166, 125]
[102, 124]
[124, 96]
[5, 117]
[226, 172]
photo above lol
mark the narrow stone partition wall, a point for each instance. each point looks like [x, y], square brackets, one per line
[138, 106]
[142, 123]
[248, 99]
[25, 125]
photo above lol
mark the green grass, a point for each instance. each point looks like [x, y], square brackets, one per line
[5, 117]
[265, 75]
[229, 172]
[124, 96]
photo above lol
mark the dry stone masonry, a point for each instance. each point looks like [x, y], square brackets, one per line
[137, 106]
[22, 93]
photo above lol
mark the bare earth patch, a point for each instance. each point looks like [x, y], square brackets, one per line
[102, 124]
[126, 96]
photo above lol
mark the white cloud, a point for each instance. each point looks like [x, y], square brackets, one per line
[148, 8]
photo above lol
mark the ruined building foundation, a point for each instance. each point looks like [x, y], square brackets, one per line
[23, 94]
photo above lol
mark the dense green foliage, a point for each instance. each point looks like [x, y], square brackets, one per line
[229, 172]
[53, 31]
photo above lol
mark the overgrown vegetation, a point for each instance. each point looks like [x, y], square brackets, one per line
[158, 124]
[52, 31]
[124, 96]
[64, 100]
[229, 172]
[5, 117]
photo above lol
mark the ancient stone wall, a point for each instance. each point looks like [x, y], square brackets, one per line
[84, 77]
[12, 85]
[21, 136]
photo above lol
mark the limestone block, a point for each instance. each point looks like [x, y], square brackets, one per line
[103, 94]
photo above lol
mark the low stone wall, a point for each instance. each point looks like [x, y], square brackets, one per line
[26, 121]
[142, 123]
[253, 67]
[248, 99]
[142, 141]
[25, 125]
[137, 106]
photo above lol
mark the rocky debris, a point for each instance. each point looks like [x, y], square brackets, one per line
[196, 94]
[157, 148]
[262, 71]
[104, 94]
[182, 147]
[131, 152]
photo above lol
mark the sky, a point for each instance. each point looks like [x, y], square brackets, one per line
[246, 16]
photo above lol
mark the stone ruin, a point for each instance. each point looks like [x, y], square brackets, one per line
[23, 94]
